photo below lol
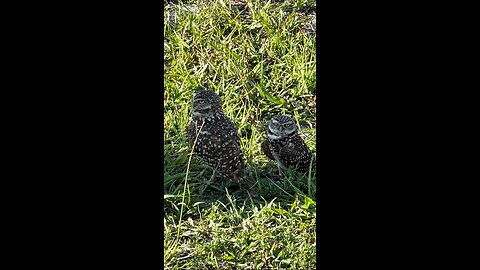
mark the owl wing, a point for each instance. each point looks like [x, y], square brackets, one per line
[228, 157]
[297, 150]
[227, 143]
[293, 147]
[265, 147]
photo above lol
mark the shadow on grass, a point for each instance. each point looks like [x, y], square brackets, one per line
[203, 187]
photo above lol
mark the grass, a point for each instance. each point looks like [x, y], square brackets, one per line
[259, 56]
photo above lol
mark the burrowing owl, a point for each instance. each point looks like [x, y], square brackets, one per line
[285, 146]
[217, 143]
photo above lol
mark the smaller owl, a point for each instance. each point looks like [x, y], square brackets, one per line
[215, 136]
[285, 146]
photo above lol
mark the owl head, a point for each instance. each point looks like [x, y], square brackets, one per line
[281, 126]
[205, 103]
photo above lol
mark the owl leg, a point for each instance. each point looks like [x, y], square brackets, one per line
[280, 170]
[215, 171]
[248, 179]
[280, 167]
[214, 174]
[205, 184]
[238, 182]
[208, 183]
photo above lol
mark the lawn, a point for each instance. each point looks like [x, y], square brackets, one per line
[260, 57]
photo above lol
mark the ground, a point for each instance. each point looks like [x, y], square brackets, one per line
[260, 57]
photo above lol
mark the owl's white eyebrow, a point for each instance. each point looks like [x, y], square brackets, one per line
[273, 136]
[291, 132]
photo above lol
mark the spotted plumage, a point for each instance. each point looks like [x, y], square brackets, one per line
[285, 146]
[217, 144]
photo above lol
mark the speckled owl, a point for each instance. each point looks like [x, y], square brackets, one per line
[215, 136]
[285, 146]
